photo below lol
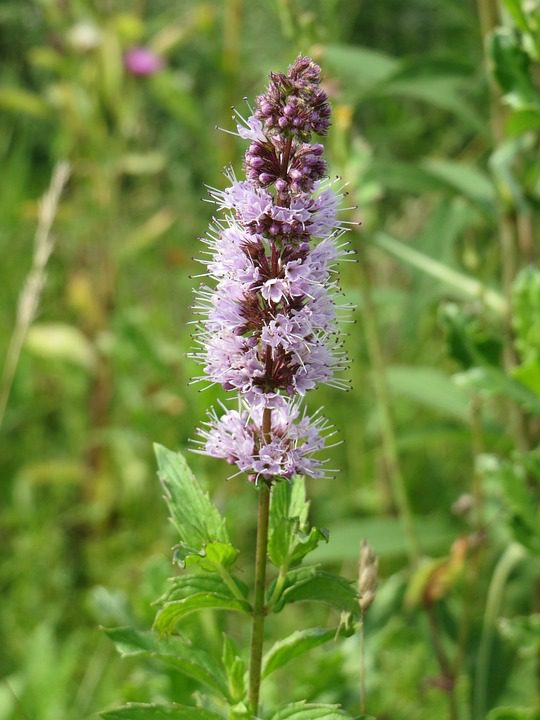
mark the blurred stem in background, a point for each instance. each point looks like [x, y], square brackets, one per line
[368, 312]
[31, 292]
[382, 394]
[513, 554]
[449, 671]
[232, 28]
[517, 246]
[104, 274]
[511, 222]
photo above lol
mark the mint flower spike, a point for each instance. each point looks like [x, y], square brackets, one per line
[268, 327]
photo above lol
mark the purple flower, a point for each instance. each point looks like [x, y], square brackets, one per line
[236, 436]
[269, 313]
[142, 61]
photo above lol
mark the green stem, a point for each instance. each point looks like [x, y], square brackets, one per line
[388, 437]
[511, 556]
[444, 664]
[259, 609]
[362, 664]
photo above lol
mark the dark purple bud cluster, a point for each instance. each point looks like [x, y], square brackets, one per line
[295, 105]
[264, 168]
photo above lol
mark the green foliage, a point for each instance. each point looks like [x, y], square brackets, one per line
[290, 537]
[103, 371]
[300, 642]
[203, 536]
[235, 668]
[309, 711]
[173, 611]
[313, 585]
[175, 652]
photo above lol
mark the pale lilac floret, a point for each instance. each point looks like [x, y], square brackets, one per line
[236, 437]
[323, 219]
[252, 129]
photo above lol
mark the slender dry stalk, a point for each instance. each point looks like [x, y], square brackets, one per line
[33, 286]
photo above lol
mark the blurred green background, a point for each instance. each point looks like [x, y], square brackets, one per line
[102, 372]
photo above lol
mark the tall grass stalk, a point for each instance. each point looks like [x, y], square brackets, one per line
[31, 291]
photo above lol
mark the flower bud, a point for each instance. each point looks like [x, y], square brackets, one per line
[368, 569]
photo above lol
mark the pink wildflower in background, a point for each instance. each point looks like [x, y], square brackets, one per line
[142, 61]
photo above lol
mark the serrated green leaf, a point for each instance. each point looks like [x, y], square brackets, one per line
[298, 643]
[174, 652]
[310, 711]
[186, 585]
[235, 667]
[195, 517]
[141, 711]
[214, 555]
[321, 587]
[282, 522]
[290, 538]
[306, 543]
[175, 610]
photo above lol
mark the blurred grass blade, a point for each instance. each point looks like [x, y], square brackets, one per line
[430, 387]
[142, 711]
[60, 341]
[466, 179]
[464, 284]
[361, 68]
[22, 101]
